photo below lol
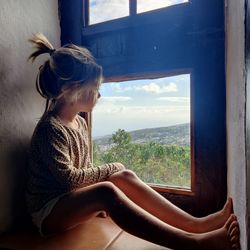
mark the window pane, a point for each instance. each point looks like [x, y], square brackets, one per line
[104, 10]
[145, 124]
[147, 5]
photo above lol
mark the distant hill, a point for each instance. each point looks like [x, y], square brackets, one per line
[173, 135]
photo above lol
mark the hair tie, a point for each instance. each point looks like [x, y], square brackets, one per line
[52, 51]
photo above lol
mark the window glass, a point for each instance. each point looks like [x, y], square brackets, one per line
[145, 124]
[104, 10]
[147, 5]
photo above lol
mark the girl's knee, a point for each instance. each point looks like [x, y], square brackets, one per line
[124, 175]
[128, 174]
[107, 189]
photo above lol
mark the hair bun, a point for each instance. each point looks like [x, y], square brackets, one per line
[42, 46]
[52, 51]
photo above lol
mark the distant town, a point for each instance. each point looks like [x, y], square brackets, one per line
[173, 135]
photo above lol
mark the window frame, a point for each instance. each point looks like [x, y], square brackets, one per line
[122, 22]
[205, 31]
[159, 187]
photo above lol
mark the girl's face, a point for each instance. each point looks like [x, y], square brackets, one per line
[87, 101]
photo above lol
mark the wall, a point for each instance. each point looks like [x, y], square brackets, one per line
[247, 55]
[20, 105]
[236, 113]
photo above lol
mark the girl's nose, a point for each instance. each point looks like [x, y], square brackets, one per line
[99, 95]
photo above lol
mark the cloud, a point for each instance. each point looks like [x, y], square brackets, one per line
[138, 111]
[158, 89]
[152, 87]
[115, 99]
[117, 88]
[111, 104]
[104, 10]
[107, 118]
[175, 99]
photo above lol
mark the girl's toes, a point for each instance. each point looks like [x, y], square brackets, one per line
[236, 247]
[234, 231]
[234, 224]
[234, 239]
[230, 221]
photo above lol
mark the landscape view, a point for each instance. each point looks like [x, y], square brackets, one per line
[159, 155]
[145, 124]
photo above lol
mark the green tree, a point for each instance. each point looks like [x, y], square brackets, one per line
[153, 162]
[121, 138]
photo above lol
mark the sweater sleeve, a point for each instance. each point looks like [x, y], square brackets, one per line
[54, 151]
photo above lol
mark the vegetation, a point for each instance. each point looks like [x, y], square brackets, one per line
[153, 162]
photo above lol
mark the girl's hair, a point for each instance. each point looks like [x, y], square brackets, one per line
[69, 72]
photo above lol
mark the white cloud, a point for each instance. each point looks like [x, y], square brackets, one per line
[107, 118]
[152, 87]
[117, 88]
[104, 10]
[158, 89]
[138, 111]
[115, 99]
[175, 99]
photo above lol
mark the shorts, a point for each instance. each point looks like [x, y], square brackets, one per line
[39, 216]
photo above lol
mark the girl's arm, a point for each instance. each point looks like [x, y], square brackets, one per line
[54, 150]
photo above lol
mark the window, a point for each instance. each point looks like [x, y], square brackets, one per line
[145, 124]
[106, 10]
[143, 6]
[189, 38]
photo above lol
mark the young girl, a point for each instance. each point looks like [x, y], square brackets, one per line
[64, 189]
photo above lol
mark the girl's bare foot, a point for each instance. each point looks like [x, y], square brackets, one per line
[216, 220]
[225, 238]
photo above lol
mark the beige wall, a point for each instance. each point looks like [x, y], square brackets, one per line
[20, 105]
[236, 112]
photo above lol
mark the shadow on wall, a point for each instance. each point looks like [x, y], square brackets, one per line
[14, 143]
[18, 162]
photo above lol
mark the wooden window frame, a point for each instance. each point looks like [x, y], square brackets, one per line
[160, 187]
[201, 25]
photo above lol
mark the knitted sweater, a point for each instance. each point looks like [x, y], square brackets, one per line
[59, 161]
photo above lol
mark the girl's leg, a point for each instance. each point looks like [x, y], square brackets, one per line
[82, 204]
[147, 198]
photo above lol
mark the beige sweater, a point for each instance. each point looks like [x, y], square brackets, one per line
[60, 162]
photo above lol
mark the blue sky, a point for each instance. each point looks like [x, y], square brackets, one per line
[142, 104]
[138, 104]
[103, 10]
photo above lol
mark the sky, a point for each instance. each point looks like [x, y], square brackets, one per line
[104, 10]
[140, 104]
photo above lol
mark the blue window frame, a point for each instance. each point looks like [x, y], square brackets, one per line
[188, 37]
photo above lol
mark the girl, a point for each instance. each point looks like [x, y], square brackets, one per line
[64, 189]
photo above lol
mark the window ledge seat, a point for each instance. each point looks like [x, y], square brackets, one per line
[95, 234]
